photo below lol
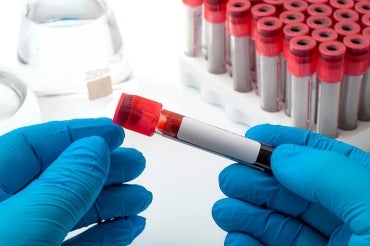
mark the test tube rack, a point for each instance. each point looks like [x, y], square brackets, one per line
[244, 107]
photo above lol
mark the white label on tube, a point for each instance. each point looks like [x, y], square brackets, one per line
[219, 141]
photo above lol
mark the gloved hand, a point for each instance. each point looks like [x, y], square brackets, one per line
[60, 176]
[319, 194]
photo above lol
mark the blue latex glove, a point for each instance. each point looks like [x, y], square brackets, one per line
[319, 195]
[60, 176]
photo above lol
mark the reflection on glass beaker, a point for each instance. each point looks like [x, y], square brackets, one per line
[18, 105]
[71, 46]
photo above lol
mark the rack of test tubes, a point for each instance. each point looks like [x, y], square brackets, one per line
[302, 63]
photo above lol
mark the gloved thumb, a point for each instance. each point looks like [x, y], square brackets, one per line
[47, 209]
[331, 179]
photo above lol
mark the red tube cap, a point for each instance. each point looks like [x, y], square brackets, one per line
[342, 4]
[215, 11]
[318, 21]
[319, 9]
[362, 7]
[365, 20]
[290, 31]
[239, 17]
[345, 28]
[302, 57]
[330, 64]
[357, 54]
[269, 40]
[291, 16]
[324, 34]
[259, 11]
[296, 5]
[345, 15]
[138, 114]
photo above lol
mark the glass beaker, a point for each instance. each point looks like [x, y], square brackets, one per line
[71, 46]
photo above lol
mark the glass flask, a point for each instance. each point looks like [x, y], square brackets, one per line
[71, 46]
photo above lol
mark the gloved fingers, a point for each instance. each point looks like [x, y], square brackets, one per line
[126, 164]
[240, 239]
[259, 188]
[266, 226]
[51, 205]
[116, 201]
[274, 135]
[120, 231]
[32, 149]
[328, 178]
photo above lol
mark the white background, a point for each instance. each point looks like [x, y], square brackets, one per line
[183, 179]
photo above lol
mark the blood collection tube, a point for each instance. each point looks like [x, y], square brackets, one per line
[239, 21]
[193, 27]
[258, 11]
[341, 4]
[301, 66]
[215, 19]
[269, 47]
[330, 68]
[145, 116]
[345, 15]
[296, 5]
[356, 63]
[290, 31]
[318, 21]
[319, 9]
[364, 109]
[345, 28]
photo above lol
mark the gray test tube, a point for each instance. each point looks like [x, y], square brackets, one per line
[364, 111]
[330, 68]
[269, 58]
[356, 60]
[301, 66]
[238, 16]
[193, 28]
[215, 16]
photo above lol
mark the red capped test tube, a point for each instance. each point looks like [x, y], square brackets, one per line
[290, 31]
[193, 27]
[318, 21]
[146, 116]
[364, 110]
[296, 5]
[239, 22]
[269, 47]
[342, 4]
[319, 9]
[317, 1]
[258, 11]
[345, 15]
[356, 64]
[302, 66]
[345, 28]
[215, 20]
[330, 69]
